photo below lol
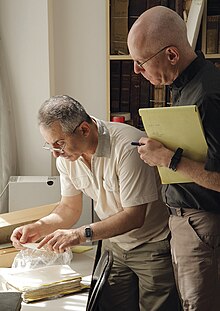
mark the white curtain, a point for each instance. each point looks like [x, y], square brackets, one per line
[8, 157]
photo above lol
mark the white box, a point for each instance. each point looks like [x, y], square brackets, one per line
[31, 191]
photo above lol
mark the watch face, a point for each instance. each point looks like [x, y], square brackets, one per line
[88, 232]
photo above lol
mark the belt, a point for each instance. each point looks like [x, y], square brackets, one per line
[176, 211]
[180, 211]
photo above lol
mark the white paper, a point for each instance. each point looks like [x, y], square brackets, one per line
[38, 277]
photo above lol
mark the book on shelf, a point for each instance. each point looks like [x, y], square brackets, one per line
[151, 3]
[119, 31]
[125, 85]
[212, 34]
[135, 9]
[159, 96]
[217, 64]
[213, 7]
[145, 93]
[135, 97]
[171, 4]
[165, 3]
[146, 88]
[179, 7]
[115, 85]
[219, 34]
[45, 282]
[119, 26]
[119, 8]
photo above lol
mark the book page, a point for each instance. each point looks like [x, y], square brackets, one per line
[35, 278]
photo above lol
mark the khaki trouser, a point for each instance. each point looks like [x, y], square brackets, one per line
[195, 246]
[141, 279]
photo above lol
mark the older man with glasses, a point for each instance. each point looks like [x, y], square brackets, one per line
[96, 158]
[194, 207]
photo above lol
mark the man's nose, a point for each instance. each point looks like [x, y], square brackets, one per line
[56, 154]
[137, 69]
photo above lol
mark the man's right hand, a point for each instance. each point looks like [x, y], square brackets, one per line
[25, 234]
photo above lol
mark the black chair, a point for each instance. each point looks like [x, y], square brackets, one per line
[99, 278]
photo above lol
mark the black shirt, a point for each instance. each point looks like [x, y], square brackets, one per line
[199, 84]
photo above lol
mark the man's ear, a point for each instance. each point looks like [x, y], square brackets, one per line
[173, 55]
[85, 128]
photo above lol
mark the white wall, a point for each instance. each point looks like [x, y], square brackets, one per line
[24, 35]
[58, 43]
[80, 52]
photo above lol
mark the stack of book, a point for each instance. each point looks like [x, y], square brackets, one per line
[45, 282]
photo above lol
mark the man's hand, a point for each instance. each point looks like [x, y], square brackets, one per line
[60, 240]
[154, 153]
[25, 234]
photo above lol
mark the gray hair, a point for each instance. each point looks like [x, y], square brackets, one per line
[64, 109]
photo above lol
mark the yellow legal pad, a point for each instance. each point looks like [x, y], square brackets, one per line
[81, 249]
[178, 126]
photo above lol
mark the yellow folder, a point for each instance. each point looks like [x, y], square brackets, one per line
[178, 126]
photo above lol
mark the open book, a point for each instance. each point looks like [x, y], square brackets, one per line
[45, 282]
[178, 126]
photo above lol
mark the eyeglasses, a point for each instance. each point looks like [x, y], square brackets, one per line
[47, 146]
[140, 64]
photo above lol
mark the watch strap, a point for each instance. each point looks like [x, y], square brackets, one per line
[176, 159]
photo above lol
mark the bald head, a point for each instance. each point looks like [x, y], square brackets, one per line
[156, 28]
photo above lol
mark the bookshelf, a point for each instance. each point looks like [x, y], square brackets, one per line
[127, 91]
[211, 30]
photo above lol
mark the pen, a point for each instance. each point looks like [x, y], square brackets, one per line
[136, 143]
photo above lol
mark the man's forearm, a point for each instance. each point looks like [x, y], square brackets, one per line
[195, 170]
[119, 223]
[62, 217]
[156, 154]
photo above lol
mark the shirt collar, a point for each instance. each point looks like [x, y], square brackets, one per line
[188, 74]
[103, 149]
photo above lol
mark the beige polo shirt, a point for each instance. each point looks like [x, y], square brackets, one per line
[118, 179]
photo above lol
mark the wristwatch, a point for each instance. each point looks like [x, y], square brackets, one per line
[88, 233]
[176, 159]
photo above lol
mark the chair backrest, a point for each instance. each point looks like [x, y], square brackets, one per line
[99, 278]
